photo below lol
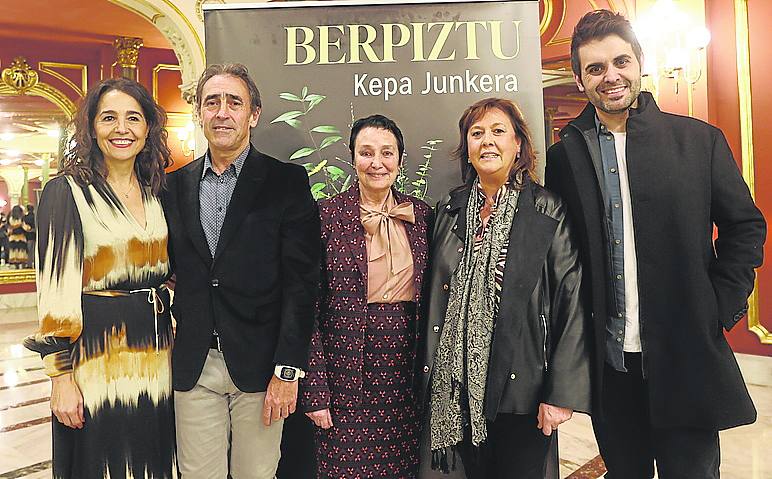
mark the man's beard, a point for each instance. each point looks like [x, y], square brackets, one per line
[634, 89]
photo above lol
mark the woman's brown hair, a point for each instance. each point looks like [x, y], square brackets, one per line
[526, 161]
[84, 160]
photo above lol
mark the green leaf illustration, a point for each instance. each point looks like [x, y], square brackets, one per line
[325, 129]
[329, 141]
[315, 169]
[314, 100]
[305, 151]
[288, 116]
[346, 183]
[335, 172]
[317, 191]
[289, 96]
[294, 123]
[305, 92]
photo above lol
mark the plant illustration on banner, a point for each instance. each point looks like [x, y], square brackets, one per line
[335, 179]
[327, 178]
[420, 185]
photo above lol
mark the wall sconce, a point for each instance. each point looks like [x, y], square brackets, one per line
[187, 138]
[673, 46]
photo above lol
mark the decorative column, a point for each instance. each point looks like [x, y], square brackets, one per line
[127, 54]
[24, 200]
[549, 122]
[45, 170]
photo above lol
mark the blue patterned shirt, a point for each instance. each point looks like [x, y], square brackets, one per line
[214, 196]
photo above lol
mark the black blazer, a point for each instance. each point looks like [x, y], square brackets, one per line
[260, 288]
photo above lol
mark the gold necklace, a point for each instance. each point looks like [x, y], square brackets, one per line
[128, 190]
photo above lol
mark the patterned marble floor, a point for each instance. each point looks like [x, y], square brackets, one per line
[25, 440]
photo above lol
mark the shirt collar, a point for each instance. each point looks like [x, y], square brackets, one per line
[600, 127]
[237, 164]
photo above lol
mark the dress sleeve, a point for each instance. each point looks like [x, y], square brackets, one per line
[314, 388]
[59, 277]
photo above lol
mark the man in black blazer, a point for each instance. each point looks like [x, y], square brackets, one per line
[244, 243]
[645, 189]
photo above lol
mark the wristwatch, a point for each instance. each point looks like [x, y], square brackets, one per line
[288, 373]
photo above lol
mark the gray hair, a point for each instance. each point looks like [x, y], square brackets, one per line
[237, 70]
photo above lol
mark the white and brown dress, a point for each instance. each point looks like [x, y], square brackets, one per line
[105, 317]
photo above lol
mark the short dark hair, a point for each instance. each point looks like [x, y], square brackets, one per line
[597, 25]
[526, 163]
[382, 123]
[17, 212]
[237, 70]
[85, 161]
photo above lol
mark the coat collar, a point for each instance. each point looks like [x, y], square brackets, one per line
[191, 208]
[646, 110]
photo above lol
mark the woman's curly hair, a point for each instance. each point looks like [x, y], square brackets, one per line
[85, 162]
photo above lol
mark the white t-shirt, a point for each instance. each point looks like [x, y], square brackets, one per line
[632, 324]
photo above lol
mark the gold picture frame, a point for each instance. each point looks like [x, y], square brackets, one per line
[746, 137]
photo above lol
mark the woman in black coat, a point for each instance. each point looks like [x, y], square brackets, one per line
[506, 357]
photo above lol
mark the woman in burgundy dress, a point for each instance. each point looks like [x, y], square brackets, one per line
[359, 388]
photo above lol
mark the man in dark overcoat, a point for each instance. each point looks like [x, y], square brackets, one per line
[645, 190]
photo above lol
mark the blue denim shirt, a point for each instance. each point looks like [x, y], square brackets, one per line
[615, 323]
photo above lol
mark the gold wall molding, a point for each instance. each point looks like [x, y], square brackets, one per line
[20, 79]
[158, 68]
[17, 276]
[178, 117]
[557, 77]
[81, 90]
[746, 139]
[549, 13]
[546, 19]
[561, 41]
[181, 34]
[200, 4]
[127, 51]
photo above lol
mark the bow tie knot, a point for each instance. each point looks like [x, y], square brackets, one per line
[380, 225]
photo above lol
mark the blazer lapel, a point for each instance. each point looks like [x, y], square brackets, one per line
[190, 205]
[354, 231]
[248, 185]
[459, 198]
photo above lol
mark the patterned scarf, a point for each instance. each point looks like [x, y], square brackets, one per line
[461, 361]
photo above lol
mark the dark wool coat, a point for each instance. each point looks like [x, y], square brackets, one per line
[683, 181]
[334, 375]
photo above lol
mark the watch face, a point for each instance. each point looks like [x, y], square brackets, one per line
[287, 373]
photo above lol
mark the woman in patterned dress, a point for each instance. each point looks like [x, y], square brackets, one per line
[105, 332]
[506, 353]
[359, 387]
[17, 238]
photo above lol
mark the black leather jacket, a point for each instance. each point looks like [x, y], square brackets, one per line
[540, 352]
